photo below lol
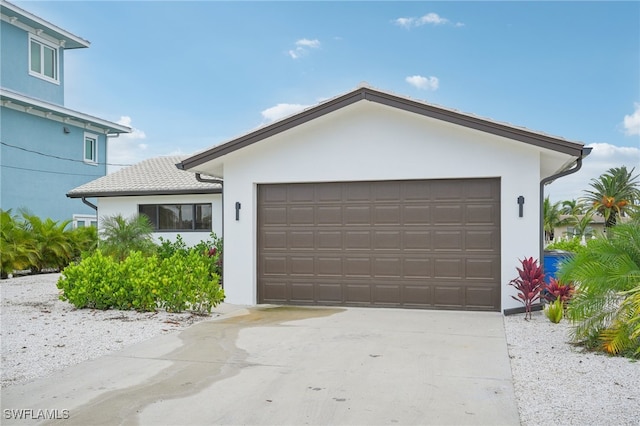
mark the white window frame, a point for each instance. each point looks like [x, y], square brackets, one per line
[94, 160]
[89, 220]
[56, 68]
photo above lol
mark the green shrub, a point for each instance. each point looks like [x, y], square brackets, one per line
[142, 282]
[574, 245]
[95, 282]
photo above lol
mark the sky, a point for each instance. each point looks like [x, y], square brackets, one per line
[189, 75]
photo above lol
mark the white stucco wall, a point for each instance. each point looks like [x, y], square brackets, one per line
[128, 206]
[368, 141]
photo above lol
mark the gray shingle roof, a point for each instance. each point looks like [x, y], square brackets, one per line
[155, 176]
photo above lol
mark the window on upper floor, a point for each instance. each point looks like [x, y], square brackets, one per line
[178, 217]
[43, 59]
[90, 148]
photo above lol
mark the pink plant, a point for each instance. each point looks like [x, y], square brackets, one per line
[529, 283]
[555, 289]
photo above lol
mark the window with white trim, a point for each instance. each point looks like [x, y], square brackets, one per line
[178, 217]
[43, 59]
[90, 148]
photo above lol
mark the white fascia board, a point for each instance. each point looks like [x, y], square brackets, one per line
[34, 24]
[59, 113]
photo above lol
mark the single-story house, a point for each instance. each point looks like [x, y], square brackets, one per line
[375, 199]
[175, 201]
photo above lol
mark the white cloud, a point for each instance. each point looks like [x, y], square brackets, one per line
[281, 110]
[432, 18]
[424, 83]
[631, 122]
[428, 19]
[603, 157]
[302, 47]
[127, 148]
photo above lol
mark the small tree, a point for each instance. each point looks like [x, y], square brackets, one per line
[120, 236]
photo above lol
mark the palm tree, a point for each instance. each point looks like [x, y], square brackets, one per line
[572, 207]
[51, 242]
[15, 253]
[615, 193]
[553, 219]
[606, 308]
[120, 236]
[582, 224]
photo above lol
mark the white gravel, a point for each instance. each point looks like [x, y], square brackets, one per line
[555, 382]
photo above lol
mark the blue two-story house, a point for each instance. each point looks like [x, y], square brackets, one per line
[46, 149]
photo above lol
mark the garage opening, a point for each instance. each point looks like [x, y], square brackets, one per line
[430, 244]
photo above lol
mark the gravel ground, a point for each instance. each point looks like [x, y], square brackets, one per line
[555, 382]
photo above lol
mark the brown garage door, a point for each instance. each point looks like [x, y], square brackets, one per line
[431, 244]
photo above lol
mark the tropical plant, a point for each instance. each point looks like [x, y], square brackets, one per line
[615, 193]
[50, 241]
[554, 290]
[15, 252]
[84, 240]
[529, 283]
[572, 207]
[120, 236]
[554, 311]
[553, 219]
[605, 307]
[582, 225]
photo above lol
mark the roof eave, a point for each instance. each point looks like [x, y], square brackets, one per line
[365, 93]
[11, 99]
[110, 194]
[67, 39]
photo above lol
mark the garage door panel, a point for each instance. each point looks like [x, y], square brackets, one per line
[329, 215]
[387, 215]
[357, 240]
[416, 214]
[330, 266]
[357, 215]
[329, 240]
[448, 215]
[417, 268]
[448, 296]
[387, 267]
[329, 293]
[481, 214]
[274, 216]
[274, 239]
[275, 265]
[447, 240]
[417, 240]
[386, 240]
[299, 240]
[357, 267]
[421, 244]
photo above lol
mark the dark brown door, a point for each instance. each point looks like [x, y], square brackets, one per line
[432, 244]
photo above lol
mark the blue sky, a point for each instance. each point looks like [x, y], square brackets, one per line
[190, 75]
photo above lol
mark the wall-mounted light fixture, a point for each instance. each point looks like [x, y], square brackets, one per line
[238, 206]
[520, 206]
[66, 130]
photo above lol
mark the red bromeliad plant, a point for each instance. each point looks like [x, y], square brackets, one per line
[555, 289]
[529, 284]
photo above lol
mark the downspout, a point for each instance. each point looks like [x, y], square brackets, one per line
[199, 178]
[90, 204]
[543, 182]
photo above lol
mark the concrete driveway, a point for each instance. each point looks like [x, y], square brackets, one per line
[293, 366]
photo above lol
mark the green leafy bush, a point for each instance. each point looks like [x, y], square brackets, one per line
[574, 245]
[180, 282]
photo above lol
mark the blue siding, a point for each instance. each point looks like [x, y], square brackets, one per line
[14, 67]
[39, 183]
